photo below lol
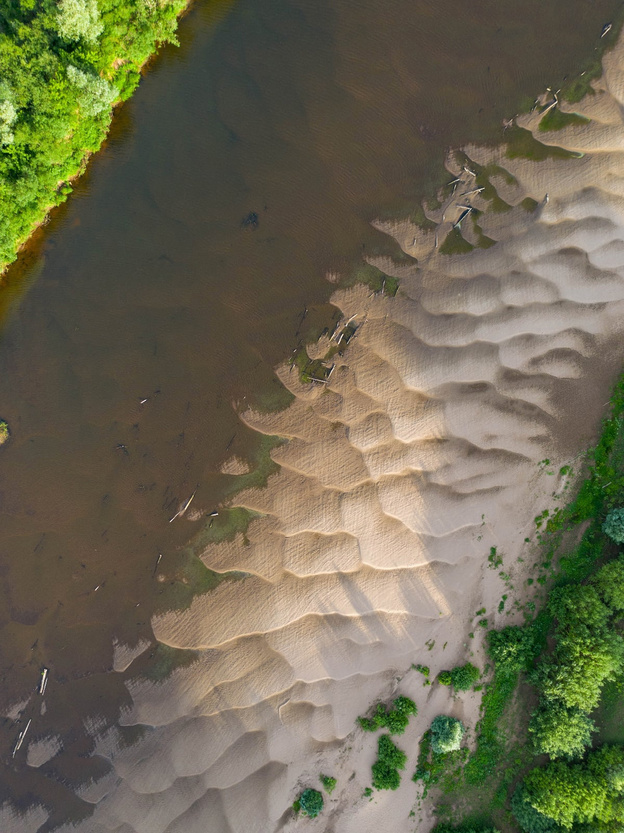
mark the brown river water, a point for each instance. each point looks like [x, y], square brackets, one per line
[318, 116]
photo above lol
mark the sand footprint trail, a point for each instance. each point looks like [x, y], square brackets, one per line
[398, 476]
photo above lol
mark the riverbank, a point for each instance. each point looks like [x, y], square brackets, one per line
[416, 461]
[64, 70]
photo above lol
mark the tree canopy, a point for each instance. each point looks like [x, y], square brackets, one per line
[62, 66]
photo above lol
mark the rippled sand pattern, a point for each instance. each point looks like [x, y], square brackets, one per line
[398, 476]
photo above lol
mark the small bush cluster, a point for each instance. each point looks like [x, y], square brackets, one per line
[462, 677]
[395, 720]
[329, 783]
[310, 802]
[390, 759]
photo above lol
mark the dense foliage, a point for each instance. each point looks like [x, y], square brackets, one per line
[390, 759]
[62, 66]
[570, 794]
[395, 720]
[311, 802]
[588, 652]
[446, 734]
[463, 677]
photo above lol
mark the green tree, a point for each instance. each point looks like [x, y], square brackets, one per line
[609, 581]
[578, 793]
[613, 525]
[579, 668]
[95, 94]
[560, 732]
[529, 819]
[446, 734]
[78, 19]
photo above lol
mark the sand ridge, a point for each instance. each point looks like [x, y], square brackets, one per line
[397, 477]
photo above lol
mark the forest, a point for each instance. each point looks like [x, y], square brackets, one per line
[63, 66]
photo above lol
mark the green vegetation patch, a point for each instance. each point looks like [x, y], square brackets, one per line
[435, 768]
[390, 759]
[4, 432]
[455, 244]
[521, 143]
[329, 783]
[164, 660]
[373, 277]
[529, 204]
[556, 119]
[310, 803]
[395, 720]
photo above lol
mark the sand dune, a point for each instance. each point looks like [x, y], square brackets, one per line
[398, 476]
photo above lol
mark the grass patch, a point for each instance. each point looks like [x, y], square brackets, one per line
[521, 144]
[556, 119]
[374, 278]
[455, 244]
[529, 204]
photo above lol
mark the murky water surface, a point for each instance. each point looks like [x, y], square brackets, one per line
[316, 115]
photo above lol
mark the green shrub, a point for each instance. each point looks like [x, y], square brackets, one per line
[560, 732]
[445, 678]
[465, 676]
[4, 432]
[613, 525]
[395, 720]
[311, 802]
[390, 759]
[446, 734]
[329, 783]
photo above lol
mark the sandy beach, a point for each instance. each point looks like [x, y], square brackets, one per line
[396, 479]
